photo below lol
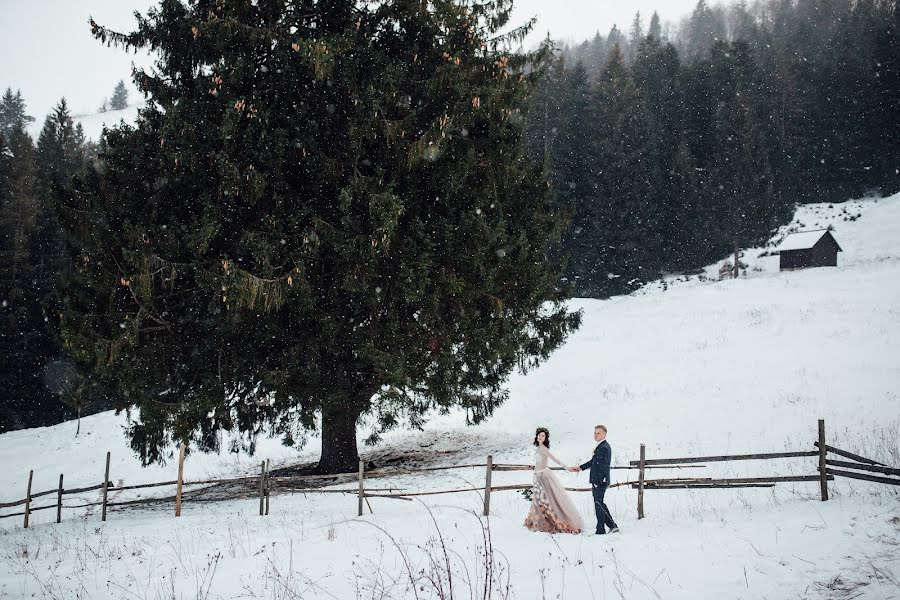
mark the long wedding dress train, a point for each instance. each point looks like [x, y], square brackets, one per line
[552, 510]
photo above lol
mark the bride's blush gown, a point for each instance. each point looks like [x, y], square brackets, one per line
[552, 510]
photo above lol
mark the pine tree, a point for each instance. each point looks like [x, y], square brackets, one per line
[705, 27]
[636, 36]
[623, 218]
[655, 30]
[742, 178]
[886, 74]
[60, 156]
[13, 114]
[320, 214]
[22, 327]
[546, 111]
[119, 98]
[571, 173]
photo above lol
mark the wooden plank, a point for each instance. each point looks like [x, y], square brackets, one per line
[28, 497]
[781, 479]
[39, 494]
[852, 456]
[699, 459]
[143, 501]
[854, 465]
[267, 486]
[262, 484]
[823, 476]
[706, 486]
[389, 496]
[863, 477]
[305, 490]
[487, 484]
[630, 468]
[31, 509]
[59, 500]
[362, 491]
[180, 481]
[12, 504]
[90, 488]
[105, 487]
[147, 485]
[642, 464]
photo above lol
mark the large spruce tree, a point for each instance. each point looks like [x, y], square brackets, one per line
[323, 212]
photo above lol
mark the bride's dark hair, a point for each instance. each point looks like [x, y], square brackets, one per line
[546, 436]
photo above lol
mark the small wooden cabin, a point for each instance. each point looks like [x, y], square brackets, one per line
[807, 249]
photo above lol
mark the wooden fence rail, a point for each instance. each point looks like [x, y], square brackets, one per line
[850, 455]
[862, 476]
[699, 459]
[262, 485]
[861, 467]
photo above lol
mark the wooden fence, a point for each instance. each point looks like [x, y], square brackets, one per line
[264, 483]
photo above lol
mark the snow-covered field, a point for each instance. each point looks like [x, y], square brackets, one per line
[687, 366]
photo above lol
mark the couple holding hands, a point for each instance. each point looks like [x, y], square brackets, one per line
[552, 511]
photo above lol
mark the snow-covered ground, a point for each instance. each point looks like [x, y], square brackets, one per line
[687, 366]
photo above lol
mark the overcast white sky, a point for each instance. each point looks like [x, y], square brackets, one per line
[47, 50]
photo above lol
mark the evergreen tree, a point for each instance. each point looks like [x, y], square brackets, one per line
[705, 27]
[571, 172]
[623, 222]
[742, 180]
[691, 223]
[545, 114]
[23, 331]
[636, 36]
[60, 156]
[119, 98]
[886, 74]
[12, 114]
[655, 30]
[615, 39]
[657, 75]
[320, 214]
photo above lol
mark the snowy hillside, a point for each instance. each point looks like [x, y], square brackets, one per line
[686, 366]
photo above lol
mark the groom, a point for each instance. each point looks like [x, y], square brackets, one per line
[599, 466]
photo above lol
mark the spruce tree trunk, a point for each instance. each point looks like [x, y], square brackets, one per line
[339, 454]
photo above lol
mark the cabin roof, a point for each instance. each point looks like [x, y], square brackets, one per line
[804, 240]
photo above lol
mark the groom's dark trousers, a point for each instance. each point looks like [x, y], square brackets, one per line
[603, 516]
[599, 477]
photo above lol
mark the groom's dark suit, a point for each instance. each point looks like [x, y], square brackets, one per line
[599, 466]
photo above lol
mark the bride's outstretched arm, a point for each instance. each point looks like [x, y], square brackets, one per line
[556, 460]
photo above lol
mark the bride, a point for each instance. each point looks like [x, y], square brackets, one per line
[552, 511]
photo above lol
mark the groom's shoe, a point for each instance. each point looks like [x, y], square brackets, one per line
[614, 530]
[599, 532]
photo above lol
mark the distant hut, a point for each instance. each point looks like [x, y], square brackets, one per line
[807, 249]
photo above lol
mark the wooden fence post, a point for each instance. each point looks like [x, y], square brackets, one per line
[823, 475]
[487, 485]
[59, 495]
[262, 486]
[268, 485]
[643, 459]
[362, 469]
[28, 498]
[105, 487]
[180, 480]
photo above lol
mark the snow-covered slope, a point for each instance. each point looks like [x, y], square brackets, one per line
[686, 366]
